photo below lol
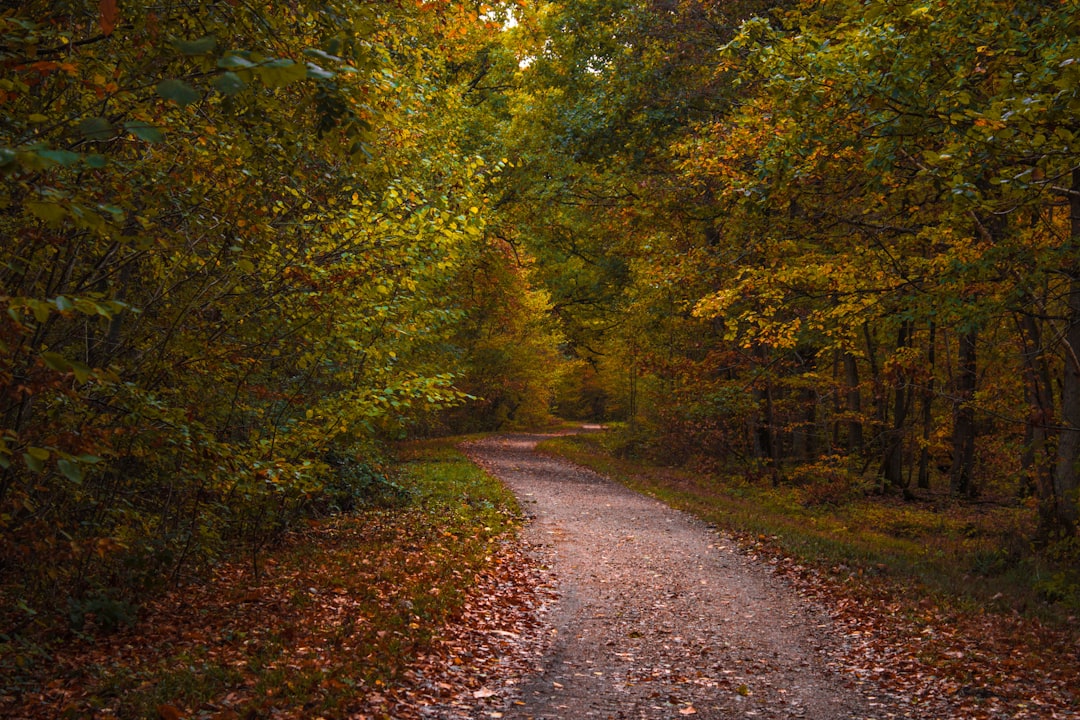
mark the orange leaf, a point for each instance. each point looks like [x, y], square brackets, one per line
[168, 712]
[109, 15]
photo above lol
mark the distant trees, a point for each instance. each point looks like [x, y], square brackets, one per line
[832, 228]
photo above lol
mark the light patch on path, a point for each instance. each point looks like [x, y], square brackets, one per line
[658, 616]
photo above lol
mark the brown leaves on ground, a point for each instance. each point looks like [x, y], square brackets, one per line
[930, 652]
[372, 617]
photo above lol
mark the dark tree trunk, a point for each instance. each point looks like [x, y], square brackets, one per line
[877, 396]
[961, 480]
[854, 403]
[928, 410]
[1037, 459]
[892, 466]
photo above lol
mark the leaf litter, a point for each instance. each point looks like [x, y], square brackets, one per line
[293, 644]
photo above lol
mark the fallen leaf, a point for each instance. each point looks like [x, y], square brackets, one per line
[483, 693]
[168, 712]
[688, 710]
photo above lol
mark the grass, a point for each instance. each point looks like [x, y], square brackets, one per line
[338, 613]
[972, 553]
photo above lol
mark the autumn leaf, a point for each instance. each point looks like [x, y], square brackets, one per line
[169, 712]
[109, 14]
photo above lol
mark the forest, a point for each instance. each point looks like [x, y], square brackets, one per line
[250, 247]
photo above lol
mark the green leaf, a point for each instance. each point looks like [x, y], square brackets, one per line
[202, 46]
[321, 54]
[178, 91]
[318, 73]
[33, 463]
[144, 131]
[71, 470]
[81, 370]
[234, 62]
[281, 72]
[96, 128]
[116, 212]
[40, 308]
[63, 304]
[56, 361]
[229, 83]
[38, 453]
[60, 157]
[50, 212]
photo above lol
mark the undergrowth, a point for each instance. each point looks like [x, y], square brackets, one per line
[338, 611]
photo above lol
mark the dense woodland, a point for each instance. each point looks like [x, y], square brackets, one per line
[248, 244]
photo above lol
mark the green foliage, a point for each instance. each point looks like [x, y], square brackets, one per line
[782, 235]
[356, 485]
[106, 611]
[236, 234]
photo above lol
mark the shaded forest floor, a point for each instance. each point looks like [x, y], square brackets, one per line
[388, 613]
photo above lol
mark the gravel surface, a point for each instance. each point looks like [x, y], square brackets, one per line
[658, 615]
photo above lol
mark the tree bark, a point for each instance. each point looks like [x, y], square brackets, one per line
[962, 481]
[928, 410]
[892, 466]
[1037, 459]
[877, 394]
[854, 404]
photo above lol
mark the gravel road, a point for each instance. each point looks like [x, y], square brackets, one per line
[659, 616]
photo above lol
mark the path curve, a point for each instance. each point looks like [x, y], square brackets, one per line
[658, 616]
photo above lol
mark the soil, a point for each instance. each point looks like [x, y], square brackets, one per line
[656, 615]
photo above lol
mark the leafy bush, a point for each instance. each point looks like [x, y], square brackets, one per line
[352, 485]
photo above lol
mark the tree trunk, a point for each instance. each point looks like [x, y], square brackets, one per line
[961, 480]
[877, 395]
[854, 404]
[892, 466]
[838, 406]
[928, 410]
[803, 439]
[1037, 459]
[1065, 474]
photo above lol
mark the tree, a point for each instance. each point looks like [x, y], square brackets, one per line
[234, 228]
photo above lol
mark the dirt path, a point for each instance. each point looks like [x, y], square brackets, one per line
[657, 615]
